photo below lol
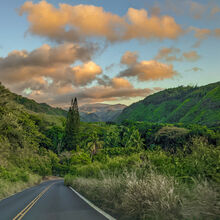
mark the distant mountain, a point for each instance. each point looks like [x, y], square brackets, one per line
[88, 113]
[100, 112]
[30, 104]
[188, 104]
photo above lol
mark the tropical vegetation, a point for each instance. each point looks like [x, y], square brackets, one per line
[189, 104]
[145, 169]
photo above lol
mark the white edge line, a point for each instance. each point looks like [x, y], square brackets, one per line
[92, 205]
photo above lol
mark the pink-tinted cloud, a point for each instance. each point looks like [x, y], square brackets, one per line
[22, 67]
[95, 94]
[173, 54]
[129, 58]
[191, 56]
[149, 70]
[46, 76]
[122, 83]
[77, 23]
[195, 69]
[84, 74]
[201, 33]
[217, 32]
[214, 10]
[47, 56]
[168, 54]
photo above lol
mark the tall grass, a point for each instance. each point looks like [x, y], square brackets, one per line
[202, 202]
[8, 187]
[153, 196]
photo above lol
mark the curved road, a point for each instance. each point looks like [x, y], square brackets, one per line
[49, 200]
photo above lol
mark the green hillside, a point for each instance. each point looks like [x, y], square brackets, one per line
[28, 141]
[30, 104]
[200, 105]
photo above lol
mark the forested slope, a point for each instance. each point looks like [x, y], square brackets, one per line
[30, 104]
[200, 105]
[26, 142]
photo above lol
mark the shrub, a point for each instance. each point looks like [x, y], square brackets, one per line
[170, 137]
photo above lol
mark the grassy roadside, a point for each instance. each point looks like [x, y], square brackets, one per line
[155, 184]
[152, 196]
[8, 188]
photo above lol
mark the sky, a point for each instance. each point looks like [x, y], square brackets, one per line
[107, 51]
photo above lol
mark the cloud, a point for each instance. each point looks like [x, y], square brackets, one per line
[214, 10]
[44, 65]
[84, 74]
[197, 9]
[217, 32]
[129, 58]
[94, 94]
[46, 56]
[79, 22]
[149, 70]
[168, 54]
[46, 76]
[200, 34]
[104, 80]
[57, 95]
[118, 83]
[191, 56]
[143, 26]
[195, 69]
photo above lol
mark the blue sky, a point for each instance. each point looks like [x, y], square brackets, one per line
[189, 15]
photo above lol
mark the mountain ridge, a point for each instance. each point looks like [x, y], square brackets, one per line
[31, 104]
[89, 112]
[100, 112]
[183, 104]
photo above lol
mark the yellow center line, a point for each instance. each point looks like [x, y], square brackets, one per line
[21, 214]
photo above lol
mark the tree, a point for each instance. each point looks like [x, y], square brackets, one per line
[55, 134]
[112, 137]
[94, 145]
[132, 138]
[71, 137]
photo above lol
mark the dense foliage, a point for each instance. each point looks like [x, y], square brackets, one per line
[198, 105]
[26, 144]
[146, 170]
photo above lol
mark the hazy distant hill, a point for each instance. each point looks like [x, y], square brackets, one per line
[100, 112]
[182, 104]
[88, 113]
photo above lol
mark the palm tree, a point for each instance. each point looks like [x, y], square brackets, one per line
[94, 145]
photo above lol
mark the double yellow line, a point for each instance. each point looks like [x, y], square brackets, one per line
[21, 214]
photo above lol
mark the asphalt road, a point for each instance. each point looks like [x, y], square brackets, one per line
[50, 200]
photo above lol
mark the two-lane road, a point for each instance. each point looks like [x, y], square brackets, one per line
[49, 200]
